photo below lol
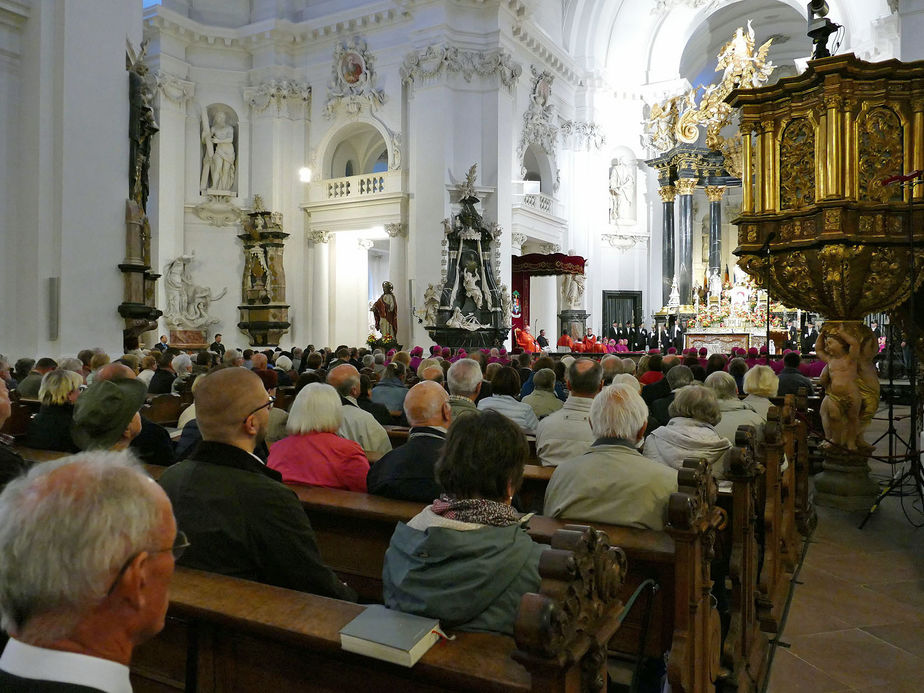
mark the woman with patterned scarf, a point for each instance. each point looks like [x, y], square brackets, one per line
[467, 559]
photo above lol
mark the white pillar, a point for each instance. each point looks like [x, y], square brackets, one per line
[319, 298]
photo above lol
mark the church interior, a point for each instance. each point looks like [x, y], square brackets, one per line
[474, 175]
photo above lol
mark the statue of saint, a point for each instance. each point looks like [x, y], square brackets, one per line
[470, 282]
[715, 285]
[622, 190]
[187, 303]
[218, 163]
[385, 310]
[431, 304]
[572, 291]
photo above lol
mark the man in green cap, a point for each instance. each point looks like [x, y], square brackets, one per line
[106, 414]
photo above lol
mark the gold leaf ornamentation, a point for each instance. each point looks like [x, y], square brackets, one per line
[880, 155]
[797, 165]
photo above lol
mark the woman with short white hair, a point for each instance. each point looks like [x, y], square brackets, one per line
[313, 453]
[691, 432]
[51, 427]
[735, 412]
[760, 384]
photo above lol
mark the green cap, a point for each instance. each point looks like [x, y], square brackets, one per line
[104, 410]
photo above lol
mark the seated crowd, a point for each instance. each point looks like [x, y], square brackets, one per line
[615, 430]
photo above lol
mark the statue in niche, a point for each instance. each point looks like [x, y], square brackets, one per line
[257, 270]
[715, 285]
[506, 305]
[188, 303]
[622, 190]
[470, 282]
[219, 159]
[385, 310]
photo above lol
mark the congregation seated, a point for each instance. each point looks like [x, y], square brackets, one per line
[182, 366]
[565, 434]
[652, 372]
[313, 453]
[542, 399]
[716, 362]
[28, 387]
[526, 386]
[659, 388]
[162, 380]
[690, 432]
[735, 412]
[284, 372]
[407, 472]
[760, 384]
[148, 365]
[791, 377]
[506, 386]
[11, 463]
[612, 482]
[240, 519]
[390, 391]
[612, 366]
[677, 377]
[50, 429]
[433, 373]
[737, 367]
[466, 559]
[465, 382]
[357, 425]
[87, 550]
[106, 414]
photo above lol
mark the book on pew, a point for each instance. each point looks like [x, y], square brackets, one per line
[390, 635]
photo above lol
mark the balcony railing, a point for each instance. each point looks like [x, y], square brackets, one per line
[357, 186]
[544, 203]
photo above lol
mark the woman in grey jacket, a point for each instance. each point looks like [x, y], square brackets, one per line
[466, 559]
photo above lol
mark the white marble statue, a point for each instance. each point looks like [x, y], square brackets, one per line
[470, 282]
[220, 159]
[673, 300]
[465, 322]
[622, 190]
[715, 285]
[572, 290]
[431, 304]
[506, 305]
[187, 303]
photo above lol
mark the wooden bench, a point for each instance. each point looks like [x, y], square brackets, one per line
[17, 425]
[225, 635]
[163, 409]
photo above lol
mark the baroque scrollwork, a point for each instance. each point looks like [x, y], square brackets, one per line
[288, 97]
[434, 61]
[880, 155]
[352, 83]
[797, 165]
[174, 89]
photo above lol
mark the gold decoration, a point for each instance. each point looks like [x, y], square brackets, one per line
[797, 165]
[667, 193]
[686, 186]
[880, 155]
[714, 193]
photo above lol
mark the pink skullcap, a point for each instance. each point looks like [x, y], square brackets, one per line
[672, 350]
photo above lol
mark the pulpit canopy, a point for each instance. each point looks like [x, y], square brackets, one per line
[542, 265]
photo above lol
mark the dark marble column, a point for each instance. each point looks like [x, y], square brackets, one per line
[714, 194]
[667, 193]
[685, 188]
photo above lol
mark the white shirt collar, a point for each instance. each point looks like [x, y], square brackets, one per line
[31, 662]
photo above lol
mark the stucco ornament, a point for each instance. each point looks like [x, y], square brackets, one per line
[352, 81]
[187, 303]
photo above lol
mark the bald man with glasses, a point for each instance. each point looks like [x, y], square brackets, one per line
[239, 517]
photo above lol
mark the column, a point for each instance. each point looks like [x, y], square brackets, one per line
[685, 188]
[320, 288]
[397, 275]
[714, 194]
[667, 193]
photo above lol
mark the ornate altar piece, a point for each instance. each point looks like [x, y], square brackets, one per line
[474, 310]
[674, 128]
[138, 299]
[264, 312]
[188, 304]
[818, 227]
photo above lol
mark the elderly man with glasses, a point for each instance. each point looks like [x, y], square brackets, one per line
[241, 520]
[74, 615]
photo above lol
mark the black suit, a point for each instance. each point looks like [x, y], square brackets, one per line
[406, 473]
[677, 337]
[641, 340]
[808, 341]
[542, 341]
[218, 348]
[16, 684]
[153, 444]
[612, 332]
[161, 382]
[161, 347]
[659, 407]
[655, 391]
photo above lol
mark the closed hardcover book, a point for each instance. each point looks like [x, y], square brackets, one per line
[389, 635]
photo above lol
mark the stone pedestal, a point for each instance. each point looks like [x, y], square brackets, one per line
[189, 340]
[845, 482]
[575, 321]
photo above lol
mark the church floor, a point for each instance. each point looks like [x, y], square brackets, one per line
[856, 623]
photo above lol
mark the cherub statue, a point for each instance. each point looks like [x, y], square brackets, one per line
[470, 282]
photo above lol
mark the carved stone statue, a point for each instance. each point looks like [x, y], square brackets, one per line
[572, 291]
[622, 190]
[187, 303]
[470, 282]
[385, 310]
[506, 305]
[431, 304]
[465, 322]
[219, 160]
[673, 300]
[715, 285]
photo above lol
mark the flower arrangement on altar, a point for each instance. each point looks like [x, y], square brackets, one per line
[375, 340]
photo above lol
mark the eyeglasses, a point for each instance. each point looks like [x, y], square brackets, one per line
[180, 544]
[262, 406]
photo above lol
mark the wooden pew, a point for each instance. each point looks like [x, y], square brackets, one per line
[163, 409]
[228, 635]
[532, 492]
[806, 517]
[20, 415]
[353, 531]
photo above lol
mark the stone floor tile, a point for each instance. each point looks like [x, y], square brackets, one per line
[790, 674]
[907, 636]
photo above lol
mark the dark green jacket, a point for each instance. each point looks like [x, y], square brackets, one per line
[242, 521]
[469, 580]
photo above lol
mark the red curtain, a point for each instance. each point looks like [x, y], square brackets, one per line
[537, 265]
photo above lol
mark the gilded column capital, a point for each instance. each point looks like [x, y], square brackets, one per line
[319, 236]
[667, 193]
[714, 193]
[686, 186]
[833, 100]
